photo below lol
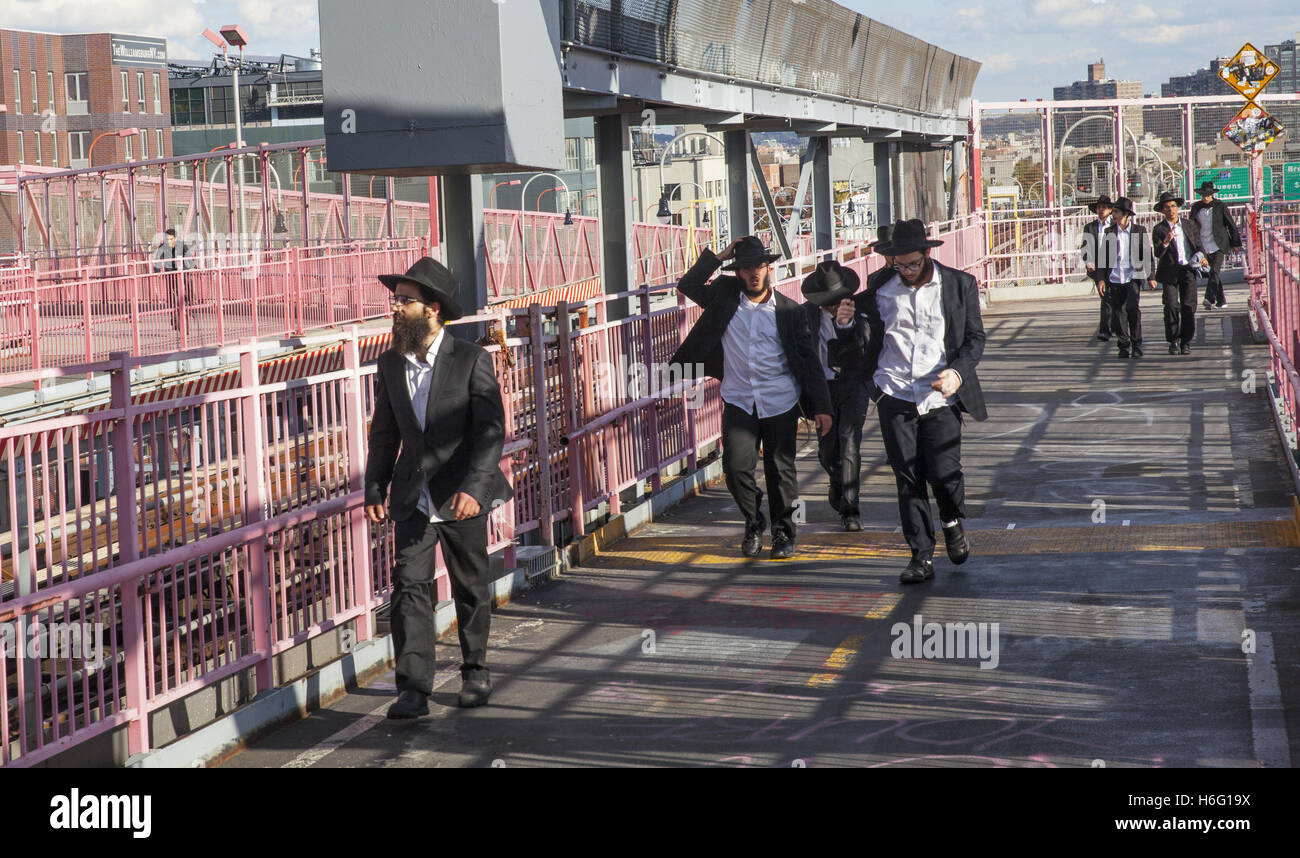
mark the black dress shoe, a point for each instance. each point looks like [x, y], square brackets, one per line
[410, 704]
[782, 546]
[1105, 338]
[1207, 304]
[918, 569]
[1137, 352]
[474, 691]
[1185, 349]
[957, 542]
[1220, 306]
[1173, 349]
[850, 523]
[752, 545]
[1123, 354]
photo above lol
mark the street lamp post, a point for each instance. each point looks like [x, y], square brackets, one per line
[523, 195]
[121, 132]
[232, 35]
[491, 193]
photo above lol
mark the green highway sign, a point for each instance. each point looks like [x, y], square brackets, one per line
[1291, 180]
[1233, 183]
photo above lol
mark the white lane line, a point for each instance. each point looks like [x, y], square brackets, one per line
[1267, 718]
[329, 745]
[1011, 526]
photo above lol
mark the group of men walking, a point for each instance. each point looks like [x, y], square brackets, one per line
[1123, 259]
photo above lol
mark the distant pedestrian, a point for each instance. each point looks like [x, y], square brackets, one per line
[1218, 235]
[841, 333]
[1176, 244]
[757, 343]
[926, 336]
[173, 257]
[1090, 249]
[1129, 265]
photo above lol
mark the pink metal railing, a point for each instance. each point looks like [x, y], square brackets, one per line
[535, 251]
[282, 293]
[1274, 277]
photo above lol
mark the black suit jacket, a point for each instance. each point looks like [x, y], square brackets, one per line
[846, 352]
[1140, 255]
[1167, 266]
[460, 447]
[1221, 225]
[963, 335]
[1090, 248]
[720, 300]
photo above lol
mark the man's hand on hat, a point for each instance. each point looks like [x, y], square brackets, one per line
[949, 381]
[729, 251]
[844, 312]
[823, 422]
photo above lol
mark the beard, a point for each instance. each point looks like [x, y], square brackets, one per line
[409, 335]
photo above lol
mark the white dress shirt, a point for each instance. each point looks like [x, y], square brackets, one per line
[419, 374]
[912, 355]
[1123, 271]
[1205, 218]
[755, 372]
[1180, 242]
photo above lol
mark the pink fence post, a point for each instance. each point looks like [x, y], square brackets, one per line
[546, 512]
[85, 306]
[255, 509]
[692, 462]
[128, 539]
[358, 528]
[575, 441]
[36, 328]
[135, 311]
[221, 310]
[652, 414]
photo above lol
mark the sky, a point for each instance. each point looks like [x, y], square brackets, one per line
[1026, 46]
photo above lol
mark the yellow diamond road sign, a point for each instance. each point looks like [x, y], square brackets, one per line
[1253, 129]
[1249, 71]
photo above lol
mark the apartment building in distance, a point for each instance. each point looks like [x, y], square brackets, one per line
[63, 92]
[1097, 86]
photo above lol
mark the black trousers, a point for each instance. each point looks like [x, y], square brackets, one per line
[1180, 307]
[464, 548]
[1105, 324]
[840, 450]
[1214, 289]
[1126, 315]
[924, 450]
[741, 435]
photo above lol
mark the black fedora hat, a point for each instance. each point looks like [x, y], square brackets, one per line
[750, 252]
[1168, 197]
[1207, 187]
[1125, 205]
[908, 237]
[434, 280]
[883, 234]
[829, 283]
[1102, 200]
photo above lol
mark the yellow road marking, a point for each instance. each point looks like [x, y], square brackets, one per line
[836, 662]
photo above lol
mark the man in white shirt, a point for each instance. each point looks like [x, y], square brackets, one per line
[1127, 262]
[757, 343]
[436, 436]
[926, 336]
[1176, 243]
[1218, 235]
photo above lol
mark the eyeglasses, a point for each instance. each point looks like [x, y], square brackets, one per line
[399, 302]
[910, 266]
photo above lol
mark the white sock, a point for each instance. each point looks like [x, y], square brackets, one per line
[951, 523]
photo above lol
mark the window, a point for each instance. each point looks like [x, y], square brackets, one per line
[37, 135]
[54, 148]
[78, 143]
[144, 145]
[187, 107]
[159, 152]
[36, 107]
[128, 148]
[126, 95]
[571, 154]
[50, 77]
[77, 89]
[157, 94]
[22, 158]
[139, 90]
[18, 92]
[588, 152]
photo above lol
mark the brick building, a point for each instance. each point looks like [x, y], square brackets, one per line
[62, 91]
